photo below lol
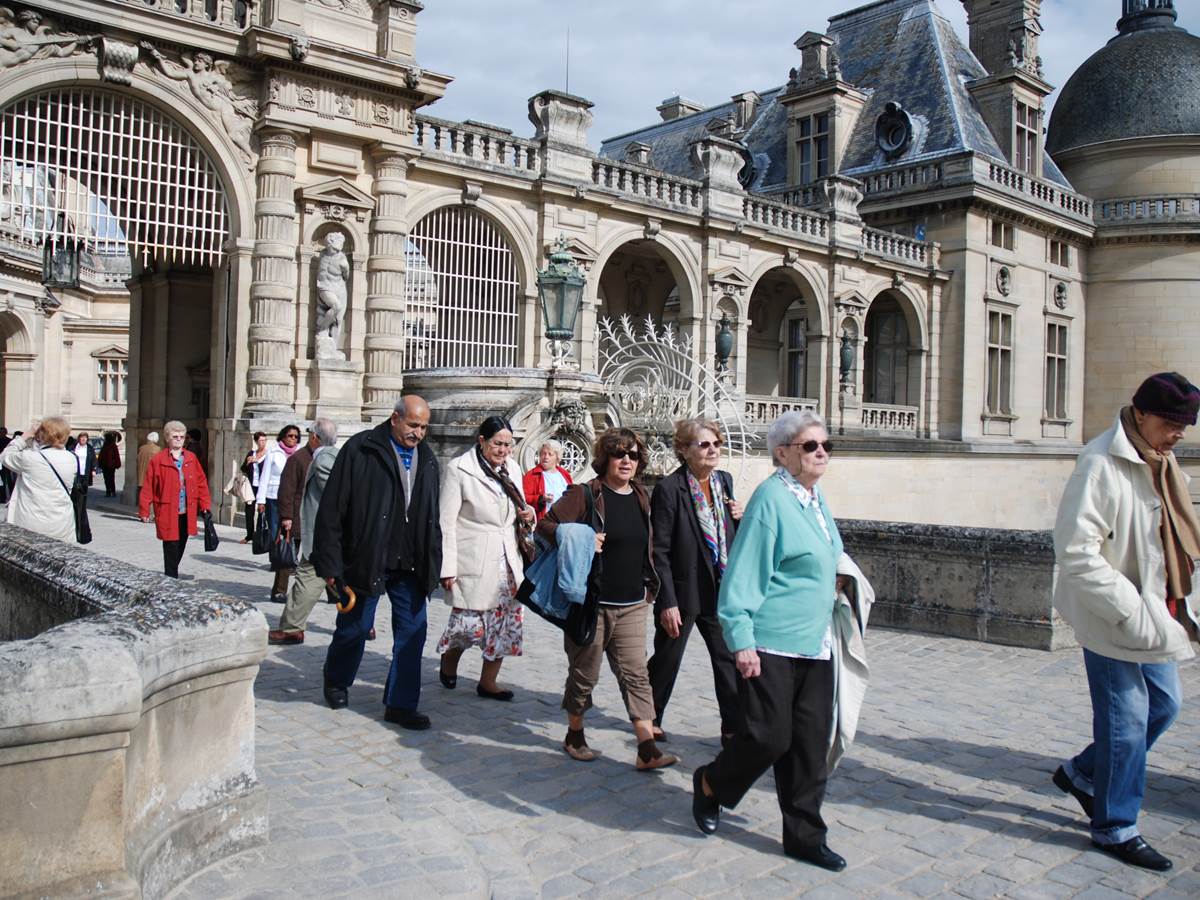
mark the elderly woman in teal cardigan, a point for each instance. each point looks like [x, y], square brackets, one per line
[776, 607]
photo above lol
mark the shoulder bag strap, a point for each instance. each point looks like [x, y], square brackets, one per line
[56, 475]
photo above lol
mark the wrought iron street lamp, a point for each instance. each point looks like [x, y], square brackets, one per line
[560, 288]
[60, 259]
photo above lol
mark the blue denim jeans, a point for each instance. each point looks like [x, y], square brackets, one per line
[1132, 705]
[407, 597]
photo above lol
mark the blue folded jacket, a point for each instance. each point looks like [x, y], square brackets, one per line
[559, 575]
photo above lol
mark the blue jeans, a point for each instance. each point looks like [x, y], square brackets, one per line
[272, 514]
[407, 596]
[1132, 705]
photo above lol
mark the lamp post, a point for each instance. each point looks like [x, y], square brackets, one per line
[60, 257]
[560, 289]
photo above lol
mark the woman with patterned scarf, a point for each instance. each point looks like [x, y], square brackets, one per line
[694, 517]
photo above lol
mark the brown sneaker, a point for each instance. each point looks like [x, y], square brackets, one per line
[649, 757]
[576, 746]
[285, 637]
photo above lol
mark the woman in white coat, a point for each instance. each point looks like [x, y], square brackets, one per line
[41, 500]
[481, 504]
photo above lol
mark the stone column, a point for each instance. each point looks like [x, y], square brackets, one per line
[273, 289]
[383, 342]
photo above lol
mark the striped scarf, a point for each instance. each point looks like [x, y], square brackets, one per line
[712, 524]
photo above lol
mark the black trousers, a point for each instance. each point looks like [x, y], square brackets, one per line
[787, 715]
[110, 482]
[668, 655]
[250, 508]
[173, 550]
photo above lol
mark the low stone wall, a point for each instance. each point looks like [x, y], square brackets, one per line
[127, 733]
[985, 584]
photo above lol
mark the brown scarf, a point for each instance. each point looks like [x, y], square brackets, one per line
[1180, 530]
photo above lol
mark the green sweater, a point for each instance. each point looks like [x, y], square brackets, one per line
[778, 589]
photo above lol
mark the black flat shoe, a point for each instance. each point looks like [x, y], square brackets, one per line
[705, 810]
[820, 855]
[1063, 782]
[449, 682]
[336, 697]
[406, 718]
[493, 695]
[1136, 852]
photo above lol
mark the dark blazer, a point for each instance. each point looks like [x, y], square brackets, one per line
[686, 572]
[291, 488]
[89, 462]
[363, 529]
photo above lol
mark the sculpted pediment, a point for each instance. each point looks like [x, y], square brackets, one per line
[730, 279]
[584, 253]
[335, 192]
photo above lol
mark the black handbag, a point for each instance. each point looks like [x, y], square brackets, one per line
[283, 552]
[211, 539]
[78, 494]
[261, 542]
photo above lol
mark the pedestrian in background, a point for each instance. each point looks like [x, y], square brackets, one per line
[110, 460]
[548, 480]
[195, 446]
[695, 518]
[291, 493]
[481, 562]
[307, 586]
[41, 498]
[1126, 540]
[377, 532]
[287, 443]
[145, 454]
[252, 468]
[177, 491]
[6, 477]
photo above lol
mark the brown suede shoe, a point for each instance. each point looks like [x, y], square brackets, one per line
[285, 637]
[576, 746]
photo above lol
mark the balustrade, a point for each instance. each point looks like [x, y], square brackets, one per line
[651, 184]
[477, 144]
[234, 14]
[1041, 191]
[906, 178]
[765, 409]
[782, 217]
[895, 246]
[1165, 210]
[884, 417]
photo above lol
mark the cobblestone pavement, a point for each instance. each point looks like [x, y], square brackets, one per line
[946, 793]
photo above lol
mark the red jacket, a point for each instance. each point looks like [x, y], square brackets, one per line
[534, 487]
[161, 488]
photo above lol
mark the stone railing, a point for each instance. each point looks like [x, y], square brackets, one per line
[882, 417]
[649, 184]
[808, 196]
[477, 144]
[1042, 192]
[126, 724]
[896, 246]
[905, 178]
[784, 218]
[764, 409]
[1183, 210]
[233, 14]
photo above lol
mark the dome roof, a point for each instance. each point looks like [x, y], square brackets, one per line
[1143, 83]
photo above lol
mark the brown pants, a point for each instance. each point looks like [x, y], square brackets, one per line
[621, 636]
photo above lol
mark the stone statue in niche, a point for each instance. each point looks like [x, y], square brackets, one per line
[333, 270]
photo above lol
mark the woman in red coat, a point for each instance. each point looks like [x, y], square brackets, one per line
[176, 486]
[548, 480]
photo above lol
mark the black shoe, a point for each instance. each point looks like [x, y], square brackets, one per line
[820, 855]
[406, 718]
[279, 598]
[705, 810]
[493, 695]
[1136, 852]
[449, 682]
[1063, 782]
[336, 697]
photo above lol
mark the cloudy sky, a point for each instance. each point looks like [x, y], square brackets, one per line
[628, 55]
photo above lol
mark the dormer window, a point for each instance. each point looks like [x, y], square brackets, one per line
[814, 147]
[1028, 144]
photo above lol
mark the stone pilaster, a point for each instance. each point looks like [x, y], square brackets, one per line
[273, 288]
[383, 344]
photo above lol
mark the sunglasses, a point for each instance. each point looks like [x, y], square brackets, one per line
[626, 454]
[811, 446]
[704, 445]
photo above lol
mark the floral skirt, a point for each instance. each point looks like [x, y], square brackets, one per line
[497, 632]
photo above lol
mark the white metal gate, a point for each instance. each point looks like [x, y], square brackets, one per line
[461, 293]
[111, 170]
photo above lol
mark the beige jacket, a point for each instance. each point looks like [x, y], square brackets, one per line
[850, 669]
[477, 521]
[1110, 582]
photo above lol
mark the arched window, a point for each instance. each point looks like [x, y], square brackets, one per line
[461, 293]
[886, 354]
[795, 351]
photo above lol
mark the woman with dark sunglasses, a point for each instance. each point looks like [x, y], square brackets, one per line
[695, 518]
[621, 585]
[776, 610]
[286, 443]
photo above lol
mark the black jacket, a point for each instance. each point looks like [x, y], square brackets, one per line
[89, 461]
[686, 572]
[362, 506]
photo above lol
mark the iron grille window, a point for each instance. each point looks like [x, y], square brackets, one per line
[112, 375]
[999, 362]
[796, 351]
[814, 147]
[1056, 371]
[112, 170]
[1028, 132]
[461, 293]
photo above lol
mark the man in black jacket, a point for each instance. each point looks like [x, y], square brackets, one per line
[377, 530]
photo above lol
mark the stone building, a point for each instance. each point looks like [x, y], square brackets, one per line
[884, 236]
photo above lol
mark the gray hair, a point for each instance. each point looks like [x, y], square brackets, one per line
[556, 447]
[174, 427]
[152, 437]
[790, 424]
[326, 431]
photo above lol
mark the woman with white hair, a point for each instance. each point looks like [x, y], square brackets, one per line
[177, 489]
[776, 610]
[548, 480]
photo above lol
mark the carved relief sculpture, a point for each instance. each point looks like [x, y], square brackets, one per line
[333, 270]
[26, 36]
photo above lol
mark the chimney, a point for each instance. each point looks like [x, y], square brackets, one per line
[674, 107]
[1004, 34]
[745, 108]
[637, 152]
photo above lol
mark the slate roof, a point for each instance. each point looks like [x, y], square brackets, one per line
[903, 51]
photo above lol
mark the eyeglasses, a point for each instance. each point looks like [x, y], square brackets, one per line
[295, 435]
[811, 446]
[626, 454]
[704, 445]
